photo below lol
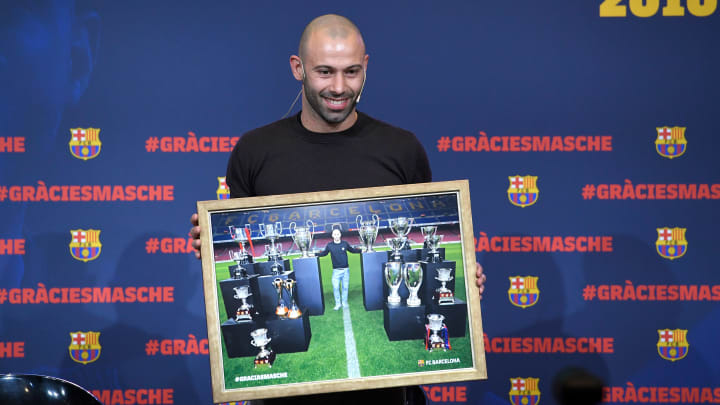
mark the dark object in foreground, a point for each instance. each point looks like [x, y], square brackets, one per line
[577, 387]
[24, 389]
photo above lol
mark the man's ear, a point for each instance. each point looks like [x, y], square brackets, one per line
[83, 54]
[297, 68]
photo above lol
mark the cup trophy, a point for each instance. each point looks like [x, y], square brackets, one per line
[433, 242]
[400, 226]
[281, 309]
[428, 231]
[244, 311]
[396, 245]
[444, 295]
[239, 272]
[241, 235]
[302, 236]
[368, 231]
[274, 253]
[294, 312]
[393, 278]
[412, 273]
[435, 341]
[266, 357]
[272, 233]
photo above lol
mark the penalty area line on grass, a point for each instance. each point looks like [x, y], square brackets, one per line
[353, 365]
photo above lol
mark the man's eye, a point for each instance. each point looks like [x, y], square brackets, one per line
[324, 72]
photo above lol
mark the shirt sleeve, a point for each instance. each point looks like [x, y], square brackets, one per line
[238, 175]
[352, 249]
[324, 251]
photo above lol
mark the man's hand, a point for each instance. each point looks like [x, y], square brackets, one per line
[480, 278]
[195, 234]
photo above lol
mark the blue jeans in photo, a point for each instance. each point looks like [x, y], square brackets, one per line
[341, 275]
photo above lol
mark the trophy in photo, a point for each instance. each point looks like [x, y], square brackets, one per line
[273, 253]
[368, 231]
[444, 295]
[239, 272]
[241, 236]
[281, 309]
[244, 311]
[412, 273]
[396, 245]
[436, 327]
[294, 311]
[302, 236]
[433, 242]
[272, 233]
[393, 278]
[428, 231]
[266, 357]
[400, 226]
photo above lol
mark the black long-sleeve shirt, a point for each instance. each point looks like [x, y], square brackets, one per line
[338, 253]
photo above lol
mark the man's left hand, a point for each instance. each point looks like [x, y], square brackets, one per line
[480, 279]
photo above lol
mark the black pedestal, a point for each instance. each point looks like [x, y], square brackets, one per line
[236, 336]
[410, 255]
[249, 268]
[309, 284]
[425, 254]
[289, 335]
[227, 288]
[455, 316]
[265, 268]
[429, 282]
[403, 322]
[267, 294]
[371, 267]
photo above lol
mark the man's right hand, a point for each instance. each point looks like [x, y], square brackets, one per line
[195, 234]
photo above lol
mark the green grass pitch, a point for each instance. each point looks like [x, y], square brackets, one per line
[326, 357]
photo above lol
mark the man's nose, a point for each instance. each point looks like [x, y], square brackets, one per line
[338, 84]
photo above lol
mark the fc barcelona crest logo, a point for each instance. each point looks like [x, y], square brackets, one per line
[85, 244]
[672, 344]
[523, 291]
[671, 243]
[670, 141]
[523, 190]
[85, 142]
[84, 346]
[223, 191]
[524, 391]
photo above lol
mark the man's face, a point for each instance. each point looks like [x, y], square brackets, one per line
[336, 236]
[334, 75]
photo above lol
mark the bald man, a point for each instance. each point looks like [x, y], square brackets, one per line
[329, 145]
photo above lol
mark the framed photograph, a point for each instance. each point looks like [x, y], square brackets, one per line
[341, 290]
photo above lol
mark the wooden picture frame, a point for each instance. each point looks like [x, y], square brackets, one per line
[386, 346]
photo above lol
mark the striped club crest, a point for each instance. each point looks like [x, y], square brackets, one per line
[223, 191]
[85, 142]
[671, 243]
[670, 141]
[523, 190]
[85, 244]
[84, 346]
[672, 344]
[523, 291]
[524, 391]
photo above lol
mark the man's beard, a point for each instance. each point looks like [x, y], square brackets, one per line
[315, 99]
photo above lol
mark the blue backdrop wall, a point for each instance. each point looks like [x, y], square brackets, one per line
[607, 106]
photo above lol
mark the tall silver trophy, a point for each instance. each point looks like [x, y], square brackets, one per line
[294, 311]
[396, 245]
[412, 273]
[400, 226]
[272, 233]
[368, 231]
[444, 295]
[260, 340]
[244, 311]
[239, 272]
[427, 231]
[281, 309]
[435, 324]
[433, 242]
[241, 236]
[302, 236]
[393, 278]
